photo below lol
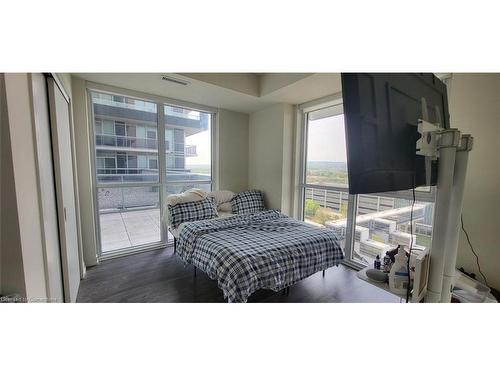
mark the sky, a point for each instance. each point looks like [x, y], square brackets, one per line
[326, 140]
[202, 142]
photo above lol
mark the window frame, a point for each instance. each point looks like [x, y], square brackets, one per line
[303, 112]
[161, 183]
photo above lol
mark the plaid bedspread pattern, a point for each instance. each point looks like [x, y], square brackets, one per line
[264, 250]
[192, 211]
[248, 202]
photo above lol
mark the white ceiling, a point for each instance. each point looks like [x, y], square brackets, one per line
[241, 92]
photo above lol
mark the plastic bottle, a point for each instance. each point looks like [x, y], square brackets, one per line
[376, 263]
[386, 263]
[398, 277]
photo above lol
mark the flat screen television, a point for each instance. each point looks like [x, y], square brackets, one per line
[381, 112]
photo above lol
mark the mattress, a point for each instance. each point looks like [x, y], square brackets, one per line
[264, 250]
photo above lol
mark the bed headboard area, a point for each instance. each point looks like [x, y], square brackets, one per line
[222, 199]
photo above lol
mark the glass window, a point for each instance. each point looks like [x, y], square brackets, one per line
[382, 223]
[140, 131]
[132, 161]
[131, 130]
[142, 161]
[109, 163]
[121, 159]
[126, 150]
[153, 164]
[179, 188]
[98, 127]
[325, 194]
[326, 151]
[108, 127]
[128, 217]
[188, 141]
[119, 128]
[115, 117]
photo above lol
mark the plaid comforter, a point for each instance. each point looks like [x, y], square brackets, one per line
[264, 250]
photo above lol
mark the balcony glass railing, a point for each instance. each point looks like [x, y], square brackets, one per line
[139, 104]
[125, 141]
[190, 150]
[180, 112]
[180, 149]
[120, 175]
[147, 175]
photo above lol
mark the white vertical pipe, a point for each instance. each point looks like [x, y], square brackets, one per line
[446, 168]
[461, 160]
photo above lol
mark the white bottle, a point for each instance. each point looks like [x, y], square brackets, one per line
[398, 277]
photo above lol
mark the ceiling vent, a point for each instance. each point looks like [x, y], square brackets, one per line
[174, 80]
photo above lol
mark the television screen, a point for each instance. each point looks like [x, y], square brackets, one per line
[381, 112]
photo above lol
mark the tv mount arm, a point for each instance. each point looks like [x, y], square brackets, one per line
[451, 149]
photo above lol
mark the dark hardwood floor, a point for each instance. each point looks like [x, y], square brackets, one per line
[160, 276]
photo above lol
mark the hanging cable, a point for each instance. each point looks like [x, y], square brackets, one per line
[411, 243]
[473, 251]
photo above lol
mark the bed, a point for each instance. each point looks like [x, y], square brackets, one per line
[261, 250]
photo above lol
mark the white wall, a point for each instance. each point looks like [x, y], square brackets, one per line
[270, 154]
[11, 262]
[232, 146]
[22, 238]
[83, 163]
[474, 104]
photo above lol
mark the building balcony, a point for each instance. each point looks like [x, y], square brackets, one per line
[123, 141]
[180, 149]
[190, 150]
[191, 121]
[125, 229]
[126, 143]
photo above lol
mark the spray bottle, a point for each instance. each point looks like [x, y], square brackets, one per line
[398, 277]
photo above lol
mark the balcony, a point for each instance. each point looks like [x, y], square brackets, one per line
[380, 222]
[123, 141]
[190, 150]
[180, 149]
[126, 175]
[125, 229]
[138, 105]
[106, 141]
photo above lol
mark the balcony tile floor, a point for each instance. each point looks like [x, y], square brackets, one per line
[120, 230]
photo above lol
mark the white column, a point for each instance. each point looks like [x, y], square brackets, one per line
[461, 160]
[446, 167]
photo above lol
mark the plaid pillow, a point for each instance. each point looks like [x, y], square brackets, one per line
[192, 211]
[248, 202]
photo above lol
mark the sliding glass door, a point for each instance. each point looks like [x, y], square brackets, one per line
[367, 225]
[131, 180]
[126, 171]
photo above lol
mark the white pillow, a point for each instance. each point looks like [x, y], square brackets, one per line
[225, 207]
[190, 195]
[221, 196]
